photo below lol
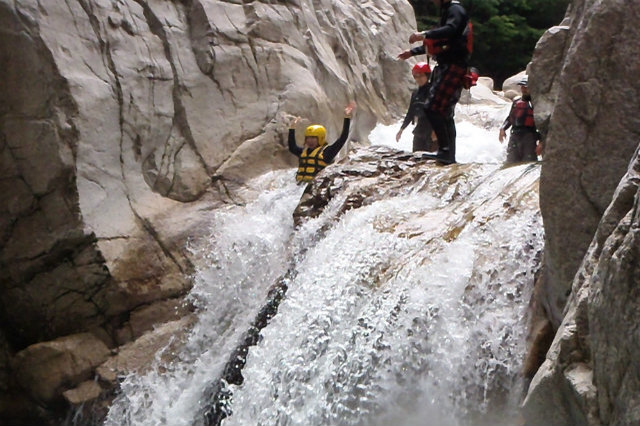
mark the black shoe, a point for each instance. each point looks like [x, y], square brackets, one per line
[440, 159]
[445, 162]
[444, 157]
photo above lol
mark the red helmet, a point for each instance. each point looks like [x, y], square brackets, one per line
[421, 68]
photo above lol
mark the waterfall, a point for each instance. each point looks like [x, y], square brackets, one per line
[410, 309]
[241, 258]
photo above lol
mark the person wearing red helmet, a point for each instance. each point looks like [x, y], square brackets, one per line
[450, 45]
[423, 136]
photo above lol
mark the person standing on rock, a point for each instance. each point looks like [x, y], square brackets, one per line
[451, 47]
[423, 135]
[523, 141]
[316, 154]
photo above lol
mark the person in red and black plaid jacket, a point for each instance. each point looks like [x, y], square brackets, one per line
[448, 44]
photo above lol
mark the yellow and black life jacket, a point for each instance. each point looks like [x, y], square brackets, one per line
[311, 162]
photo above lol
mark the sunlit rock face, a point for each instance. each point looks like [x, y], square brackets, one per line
[591, 375]
[584, 81]
[115, 117]
[586, 105]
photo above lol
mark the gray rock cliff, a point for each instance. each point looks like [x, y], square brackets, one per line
[586, 105]
[123, 122]
[583, 78]
[591, 375]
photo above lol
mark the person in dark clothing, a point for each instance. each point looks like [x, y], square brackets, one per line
[316, 154]
[524, 135]
[449, 45]
[423, 137]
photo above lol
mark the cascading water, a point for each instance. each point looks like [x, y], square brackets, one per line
[410, 310]
[247, 252]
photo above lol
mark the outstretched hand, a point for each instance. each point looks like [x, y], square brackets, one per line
[349, 109]
[295, 122]
[416, 37]
[405, 55]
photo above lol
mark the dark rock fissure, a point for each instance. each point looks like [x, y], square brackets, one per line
[218, 393]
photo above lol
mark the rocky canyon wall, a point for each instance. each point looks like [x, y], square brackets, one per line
[122, 122]
[584, 79]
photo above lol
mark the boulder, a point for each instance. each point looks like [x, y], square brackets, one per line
[486, 82]
[144, 319]
[138, 356]
[84, 392]
[511, 83]
[591, 375]
[512, 94]
[480, 94]
[46, 369]
[592, 130]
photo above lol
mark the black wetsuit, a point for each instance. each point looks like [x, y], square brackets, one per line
[422, 132]
[448, 76]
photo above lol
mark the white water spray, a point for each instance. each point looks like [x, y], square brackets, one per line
[408, 311]
[410, 308]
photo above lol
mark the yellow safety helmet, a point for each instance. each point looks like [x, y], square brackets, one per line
[318, 131]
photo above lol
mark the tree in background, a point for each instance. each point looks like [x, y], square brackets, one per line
[505, 31]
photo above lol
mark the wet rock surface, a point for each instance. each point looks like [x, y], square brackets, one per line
[377, 174]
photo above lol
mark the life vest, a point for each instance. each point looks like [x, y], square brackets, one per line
[468, 33]
[437, 46]
[310, 164]
[523, 115]
[470, 79]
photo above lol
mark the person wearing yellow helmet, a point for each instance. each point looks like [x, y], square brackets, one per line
[316, 154]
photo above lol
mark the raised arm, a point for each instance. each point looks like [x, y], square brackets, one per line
[293, 147]
[331, 151]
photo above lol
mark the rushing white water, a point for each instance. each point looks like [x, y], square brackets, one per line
[477, 134]
[247, 251]
[408, 311]
[411, 308]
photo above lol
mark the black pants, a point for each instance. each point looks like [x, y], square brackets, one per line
[444, 94]
[423, 142]
[445, 128]
[522, 147]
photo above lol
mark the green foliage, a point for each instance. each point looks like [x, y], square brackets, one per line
[506, 31]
